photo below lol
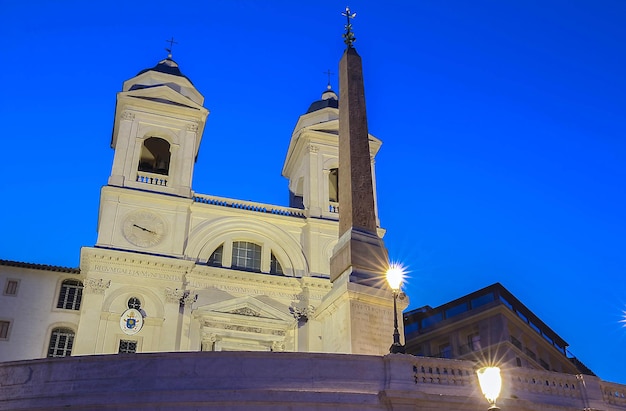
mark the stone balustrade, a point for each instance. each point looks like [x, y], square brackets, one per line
[428, 370]
[249, 205]
[544, 382]
[151, 178]
[614, 393]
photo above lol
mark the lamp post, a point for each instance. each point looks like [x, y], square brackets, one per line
[490, 384]
[395, 276]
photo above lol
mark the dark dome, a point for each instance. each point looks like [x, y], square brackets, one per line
[329, 99]
[167, 66]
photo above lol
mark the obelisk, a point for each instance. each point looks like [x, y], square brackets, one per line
[356, 316]
[360, 252]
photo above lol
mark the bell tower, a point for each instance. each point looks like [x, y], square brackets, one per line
[158, 125]
[159, 120]
[312, 161]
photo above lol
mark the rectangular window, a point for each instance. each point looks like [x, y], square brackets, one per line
[473, 341]
[4, 329]
[482, 300]
[432, 320]
[534, 327]
[516, 342]
[71, 295]
[505, 302]
[445, 351]
[531, 354]
[246, 255]
[544, 364]
[451, 312]
[61, 342]
[11, 287]
[410, 328]
[127, 347]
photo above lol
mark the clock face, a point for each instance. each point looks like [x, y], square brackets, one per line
[144, 228]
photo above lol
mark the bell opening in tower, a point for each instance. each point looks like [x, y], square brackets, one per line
[155, 156]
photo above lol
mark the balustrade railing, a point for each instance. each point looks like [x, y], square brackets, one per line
[613, 393]
[150, 178]
[427, 370]
[520, 382]
[546, 382]
[249, 205]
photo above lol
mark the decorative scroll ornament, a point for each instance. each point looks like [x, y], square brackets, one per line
[348, 36]
[193, 127]
[127, 115]
[93, 286]
[183, 297]
[313, 149]
[302, 313]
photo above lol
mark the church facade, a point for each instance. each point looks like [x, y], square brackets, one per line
[175, 270]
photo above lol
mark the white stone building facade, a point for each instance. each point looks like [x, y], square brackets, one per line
[206, 273]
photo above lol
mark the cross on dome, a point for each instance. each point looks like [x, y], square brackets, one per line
[169, 50]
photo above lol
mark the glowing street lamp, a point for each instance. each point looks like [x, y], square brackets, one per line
[395, 275]
[490, 384]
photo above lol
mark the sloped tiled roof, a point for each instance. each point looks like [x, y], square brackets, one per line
[44, 267]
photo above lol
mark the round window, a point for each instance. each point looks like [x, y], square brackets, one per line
[134, 302]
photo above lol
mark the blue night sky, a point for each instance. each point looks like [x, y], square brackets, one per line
[503, 127]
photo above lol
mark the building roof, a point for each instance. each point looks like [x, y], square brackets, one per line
[167, 66]
[329, 99]
[426, 317]
[44, 267]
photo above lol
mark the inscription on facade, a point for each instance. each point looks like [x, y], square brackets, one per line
[253, 291]
[136, 273]
[373, 327]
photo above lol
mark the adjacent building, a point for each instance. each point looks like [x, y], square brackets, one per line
[489, 325]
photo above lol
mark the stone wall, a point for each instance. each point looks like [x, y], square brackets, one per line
[285, 381]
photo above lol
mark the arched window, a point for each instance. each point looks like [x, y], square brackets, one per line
[216, 257]
[275, 267]
[246, 256]
[71, 295]
[333, 185]
[155, 156]
[61, 342]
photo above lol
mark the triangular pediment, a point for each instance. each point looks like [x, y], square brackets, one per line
[248, 306]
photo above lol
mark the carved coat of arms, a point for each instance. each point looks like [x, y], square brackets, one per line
[131, 321]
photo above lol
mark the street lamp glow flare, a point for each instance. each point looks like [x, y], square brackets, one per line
[490, 382]
[395, 276]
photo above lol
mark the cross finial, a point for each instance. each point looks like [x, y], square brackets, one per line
[328, 73]
[169, 50]
[348, 36]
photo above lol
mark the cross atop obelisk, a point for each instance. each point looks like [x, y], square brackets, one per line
[360, 253]
[348, 36]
